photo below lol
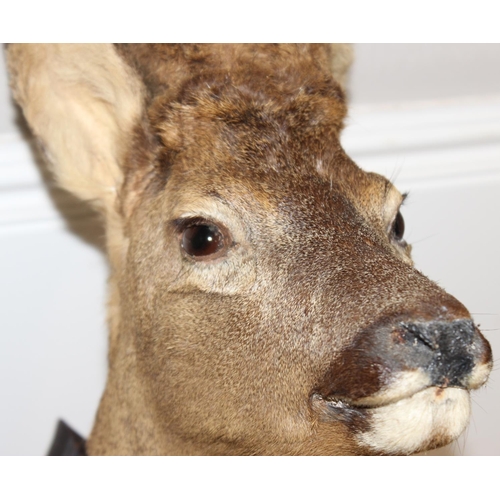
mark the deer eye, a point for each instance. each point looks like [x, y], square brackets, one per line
[398, 228]
[201, 239]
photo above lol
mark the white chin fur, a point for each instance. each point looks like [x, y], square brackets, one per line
[410, 424]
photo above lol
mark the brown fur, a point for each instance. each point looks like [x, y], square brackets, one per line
[233, 355]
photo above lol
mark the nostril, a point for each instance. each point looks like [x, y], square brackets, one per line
[446, 350]
[422, 333]
[458, 367]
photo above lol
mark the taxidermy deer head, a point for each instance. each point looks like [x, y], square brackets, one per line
[262, 296]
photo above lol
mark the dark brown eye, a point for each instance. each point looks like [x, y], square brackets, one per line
[398, 227]
[202, 240]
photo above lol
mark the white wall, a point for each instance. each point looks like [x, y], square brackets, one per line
[430, 114]
[386, 72]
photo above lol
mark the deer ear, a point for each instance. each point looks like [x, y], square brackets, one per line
[342, 56]
[82, 102]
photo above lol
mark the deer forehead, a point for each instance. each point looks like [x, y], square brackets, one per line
[267, 160]
[272, 146]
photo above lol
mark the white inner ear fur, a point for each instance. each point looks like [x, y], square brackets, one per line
[82, 102]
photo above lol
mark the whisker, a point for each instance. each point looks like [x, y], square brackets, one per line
[395, 174]
[462, 441]
[474, 401]
[424, 239]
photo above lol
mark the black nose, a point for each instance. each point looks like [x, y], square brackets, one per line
[446, 350]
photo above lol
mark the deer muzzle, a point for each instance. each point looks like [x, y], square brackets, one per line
[396, 359]
[407, 379]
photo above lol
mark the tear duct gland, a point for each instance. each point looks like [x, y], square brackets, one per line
[262, 299]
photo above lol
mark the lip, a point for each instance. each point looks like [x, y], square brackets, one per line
[406, 384]
[400, 389]
[369, 402]
[345, 409]
[359, 416]
[401, 386]
[429, 418]
[336, 410]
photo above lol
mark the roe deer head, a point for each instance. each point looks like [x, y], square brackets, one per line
[262, 296]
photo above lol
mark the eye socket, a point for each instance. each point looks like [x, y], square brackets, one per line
[398, 228]
[201, 239]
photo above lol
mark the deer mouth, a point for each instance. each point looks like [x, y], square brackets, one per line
[429, 418]
[396, 363]
[407, 416]
[337, 405]
[402, 386]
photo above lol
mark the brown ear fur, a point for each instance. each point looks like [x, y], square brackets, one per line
[81, 101]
